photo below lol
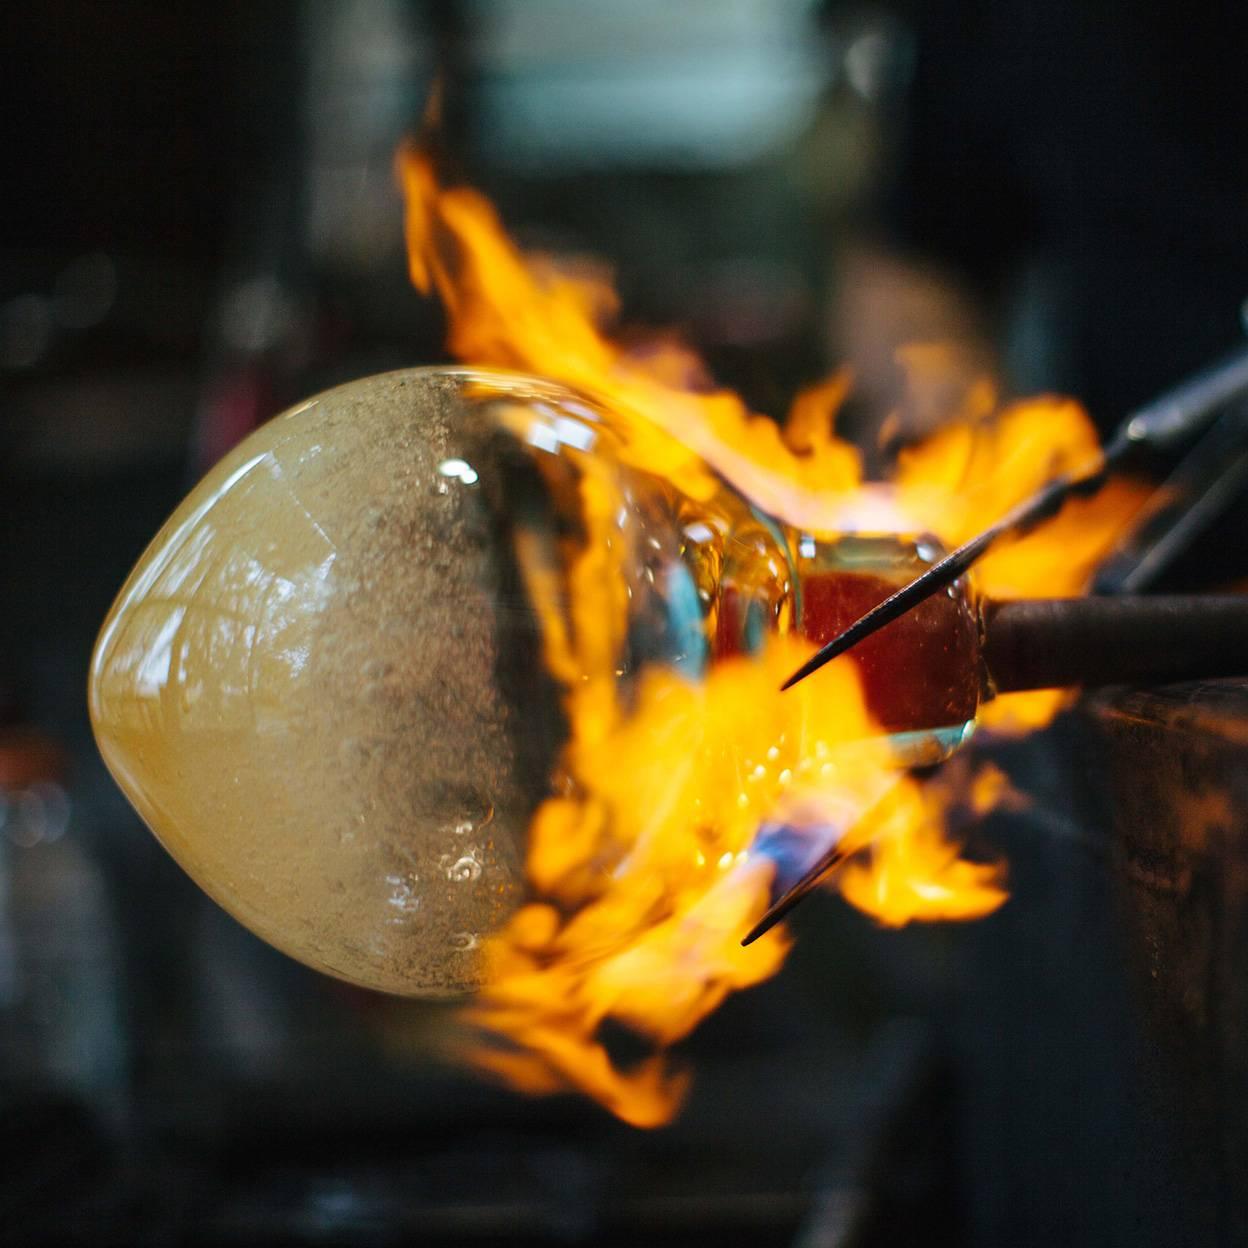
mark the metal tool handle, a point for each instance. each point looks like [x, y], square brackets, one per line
[1060, 642]
[1180, 412]
[1212, 475]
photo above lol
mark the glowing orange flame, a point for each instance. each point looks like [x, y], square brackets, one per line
[641, 870]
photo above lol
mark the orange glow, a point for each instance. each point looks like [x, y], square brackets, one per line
[966, 475]
[650, 877]
[912, 870]
[640, 866]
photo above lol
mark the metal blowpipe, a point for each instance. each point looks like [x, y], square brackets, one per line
[1061, 642]
[1159, 425]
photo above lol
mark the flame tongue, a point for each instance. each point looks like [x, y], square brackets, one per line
[648, 866]
[524, 312]
[669, 803]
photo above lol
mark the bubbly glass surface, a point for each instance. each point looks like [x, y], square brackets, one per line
[295, 688]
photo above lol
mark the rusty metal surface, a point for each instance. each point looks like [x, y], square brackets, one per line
[1176, 767]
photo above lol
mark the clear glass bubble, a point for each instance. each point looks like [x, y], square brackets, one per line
[334, 684]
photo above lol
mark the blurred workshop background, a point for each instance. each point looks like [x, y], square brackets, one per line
[200, 226]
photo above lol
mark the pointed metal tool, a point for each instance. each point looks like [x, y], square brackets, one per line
[780, 908]
[1159, 425]
[1036, 643]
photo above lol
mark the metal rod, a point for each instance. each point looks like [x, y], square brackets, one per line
[1062, 642]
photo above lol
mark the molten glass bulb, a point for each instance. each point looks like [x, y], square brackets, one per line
[296, 689]
[338, 682]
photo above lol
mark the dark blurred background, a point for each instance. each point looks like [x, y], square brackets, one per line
[200, 226]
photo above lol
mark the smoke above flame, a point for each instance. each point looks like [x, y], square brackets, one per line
[644, 866]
